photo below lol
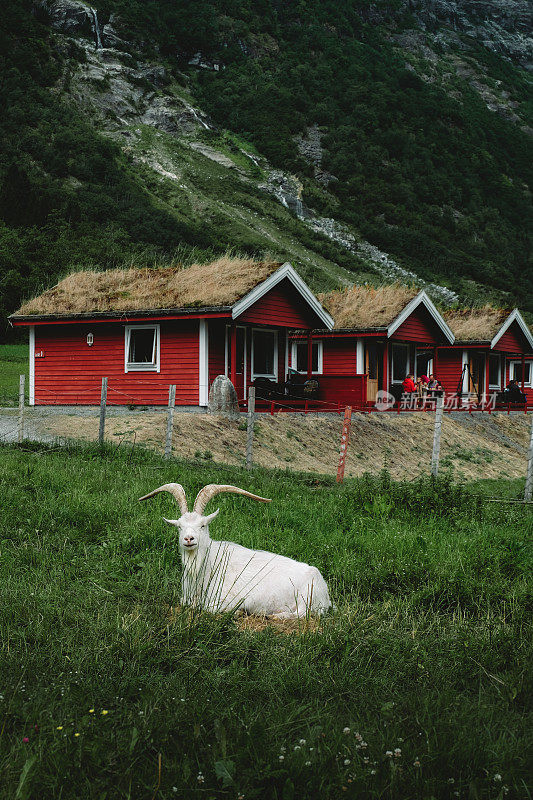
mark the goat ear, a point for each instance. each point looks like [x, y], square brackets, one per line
[210, 517]
[172, 522]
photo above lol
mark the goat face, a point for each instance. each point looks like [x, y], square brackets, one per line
[193, 530]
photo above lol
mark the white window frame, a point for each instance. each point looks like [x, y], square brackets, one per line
[499, 384]
[529, 383]
[294, 357]
[155, 365]
[408, 362]
[255, 375]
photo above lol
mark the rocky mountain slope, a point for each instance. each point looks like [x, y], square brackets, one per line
[204, 186]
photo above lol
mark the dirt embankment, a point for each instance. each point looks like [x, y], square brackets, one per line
[477, 446]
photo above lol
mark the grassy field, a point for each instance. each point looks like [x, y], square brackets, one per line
[13, 363]
[419, 686]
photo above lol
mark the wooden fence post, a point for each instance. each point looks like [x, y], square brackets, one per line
[170, 419]
[21, 408]
[436, 437]
[250, 426]
[528, 493]
[344, 443]
[103, 403]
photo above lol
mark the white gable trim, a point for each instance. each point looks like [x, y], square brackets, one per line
[285, 271]
[421, 299]
[514, 316]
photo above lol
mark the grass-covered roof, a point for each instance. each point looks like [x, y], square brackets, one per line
[475, 324]
[219, 283]
[362, 307]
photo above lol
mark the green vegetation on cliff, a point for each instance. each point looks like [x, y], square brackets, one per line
[438, 181]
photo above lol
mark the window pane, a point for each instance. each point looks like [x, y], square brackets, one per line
[372, 360]
[301, 357]
[516, 371]
[400, 357]
[494, 370]
[264, 344]
[424, 364]
[142, 347]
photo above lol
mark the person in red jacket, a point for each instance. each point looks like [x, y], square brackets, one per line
[408, 384]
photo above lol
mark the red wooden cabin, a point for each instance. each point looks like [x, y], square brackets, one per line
[233, 324]
[357, 359]
[492, 347]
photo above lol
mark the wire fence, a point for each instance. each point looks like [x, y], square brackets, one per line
[110, 395]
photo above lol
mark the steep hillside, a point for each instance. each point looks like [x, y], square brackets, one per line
[360, 144]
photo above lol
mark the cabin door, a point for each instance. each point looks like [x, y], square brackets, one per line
[374, 370]
[476, 379]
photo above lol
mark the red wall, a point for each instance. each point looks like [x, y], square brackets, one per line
[512, 341]
[283, 306]
[71, 372]
[419, 327]
[448, 367]
[343, 389]
[339, 356]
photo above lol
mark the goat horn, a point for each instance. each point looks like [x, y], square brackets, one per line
[204, 495]
[176, 490]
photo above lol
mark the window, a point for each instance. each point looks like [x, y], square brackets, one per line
[264, 354]
[142, 348]
[299, 357]
[494, 371]
[515, 372]
[424, 363]
[372, 360]
[400, 362]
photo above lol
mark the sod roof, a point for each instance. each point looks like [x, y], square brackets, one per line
[475, 324]
[220, 283]
[363, 307]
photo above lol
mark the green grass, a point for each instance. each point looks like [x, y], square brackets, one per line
[13, 363]
[429, 651]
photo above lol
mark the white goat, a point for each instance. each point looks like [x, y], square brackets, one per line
[224, 576]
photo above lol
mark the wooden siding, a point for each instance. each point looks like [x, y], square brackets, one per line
[339, 356]
[283, 306]
[512, 341]
[343, 389]
[419, 327]
[70, 372]
[448, 367]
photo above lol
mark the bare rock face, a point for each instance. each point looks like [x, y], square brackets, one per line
[71, 17]
[223, 398]
[503, 26]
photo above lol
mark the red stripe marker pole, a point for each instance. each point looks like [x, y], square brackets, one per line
[344, 443]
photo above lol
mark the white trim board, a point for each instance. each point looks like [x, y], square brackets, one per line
[285, 271]
[203, 363]
[421, 299]
[514, 316]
